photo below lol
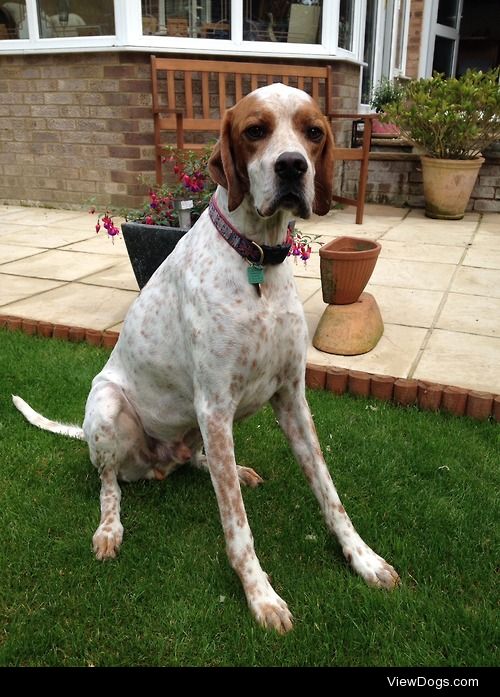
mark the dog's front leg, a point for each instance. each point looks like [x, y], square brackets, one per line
[108, 536]
[295, 419]
[268, 608]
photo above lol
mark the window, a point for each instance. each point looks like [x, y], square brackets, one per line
[13, 24]
[206, 19]
[346, 24]
[63, 18]
[287, 22]
[367, 79]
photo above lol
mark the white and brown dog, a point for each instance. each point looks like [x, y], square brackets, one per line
[218, 332]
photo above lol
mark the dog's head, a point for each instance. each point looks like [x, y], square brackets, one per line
[277, 146]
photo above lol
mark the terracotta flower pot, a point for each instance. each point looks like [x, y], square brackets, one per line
[448, 185]
[346, 266]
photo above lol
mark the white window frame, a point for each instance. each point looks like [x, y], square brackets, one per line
[431, 29]
[385, 58]
[128, 36]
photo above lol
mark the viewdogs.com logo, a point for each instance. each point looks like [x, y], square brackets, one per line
[437, 683]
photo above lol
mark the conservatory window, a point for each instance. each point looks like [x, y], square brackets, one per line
[203, 19]
[63, 18]
[369, 51]
[13, 23]
[346, 24]
[286, 22]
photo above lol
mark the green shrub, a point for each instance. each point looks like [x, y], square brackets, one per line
[449, 118]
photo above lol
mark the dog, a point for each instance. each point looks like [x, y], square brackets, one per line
[218, 332]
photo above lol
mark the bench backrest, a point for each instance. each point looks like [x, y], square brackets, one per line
[190, 97]
[202, 90]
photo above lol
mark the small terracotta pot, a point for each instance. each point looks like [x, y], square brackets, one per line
[346, 265]
[315, 377]
[479, 405]
[382, 387]
[359, 383]
[336, 380]
[405, 392]
[454, 400]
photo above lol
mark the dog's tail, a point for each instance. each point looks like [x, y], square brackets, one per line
[46, 424]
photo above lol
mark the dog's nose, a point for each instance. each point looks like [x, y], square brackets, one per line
[290, 165]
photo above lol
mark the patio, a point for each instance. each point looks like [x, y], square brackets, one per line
[437, 284]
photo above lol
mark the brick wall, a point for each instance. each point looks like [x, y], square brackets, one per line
[74, 126]
[414, 37]
[79, 126]
[397, 180]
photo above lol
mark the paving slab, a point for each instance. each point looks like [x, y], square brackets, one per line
[76, 304]
[60, 265]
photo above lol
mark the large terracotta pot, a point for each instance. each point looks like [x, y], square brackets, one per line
[346, 265]
[448, 185]
[148, 246]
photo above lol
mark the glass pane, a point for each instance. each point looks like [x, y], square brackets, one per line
[369, 51]
[443, 55]
[60, 18]
[398, 58]
[285, 21]
[346, 24]
[448, 12]
[13, 22]
[205, 19]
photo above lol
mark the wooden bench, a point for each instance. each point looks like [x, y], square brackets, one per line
[191, 96]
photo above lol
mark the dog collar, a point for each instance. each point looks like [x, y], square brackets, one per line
[260, 255]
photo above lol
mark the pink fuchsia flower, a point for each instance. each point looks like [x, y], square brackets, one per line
[109, 226]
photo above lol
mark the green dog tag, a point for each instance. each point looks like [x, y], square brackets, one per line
[255, 274]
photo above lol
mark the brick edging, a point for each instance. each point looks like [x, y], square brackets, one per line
[94, 337]
[426, 395]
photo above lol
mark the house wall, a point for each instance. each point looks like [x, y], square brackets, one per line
[397, 180]
[414, 38]
[79, 126]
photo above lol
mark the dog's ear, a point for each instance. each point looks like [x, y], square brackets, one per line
[222, 165]
[323, 178]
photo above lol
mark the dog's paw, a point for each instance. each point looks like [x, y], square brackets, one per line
[107, 540]
[271, 611]
[248, 476]
[372, 568]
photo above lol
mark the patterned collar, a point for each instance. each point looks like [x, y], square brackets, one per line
[254, 253]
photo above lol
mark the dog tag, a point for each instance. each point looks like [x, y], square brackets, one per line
[255, 274]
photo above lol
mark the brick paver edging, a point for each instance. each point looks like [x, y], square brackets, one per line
[426, 395]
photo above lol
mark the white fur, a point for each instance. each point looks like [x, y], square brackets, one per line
[199, 349]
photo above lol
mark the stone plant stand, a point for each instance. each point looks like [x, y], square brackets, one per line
[349, 330]
[351, 323]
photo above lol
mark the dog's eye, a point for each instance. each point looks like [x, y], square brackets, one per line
[255, 132]
[315, 134]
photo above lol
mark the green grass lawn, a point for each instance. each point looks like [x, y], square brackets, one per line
[422, 489]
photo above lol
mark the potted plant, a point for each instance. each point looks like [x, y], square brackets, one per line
[450, 120]
[385, 92]
[151, 232]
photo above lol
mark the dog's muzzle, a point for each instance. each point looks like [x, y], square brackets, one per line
[290, 169]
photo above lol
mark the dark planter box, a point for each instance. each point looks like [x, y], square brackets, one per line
[148, 246]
